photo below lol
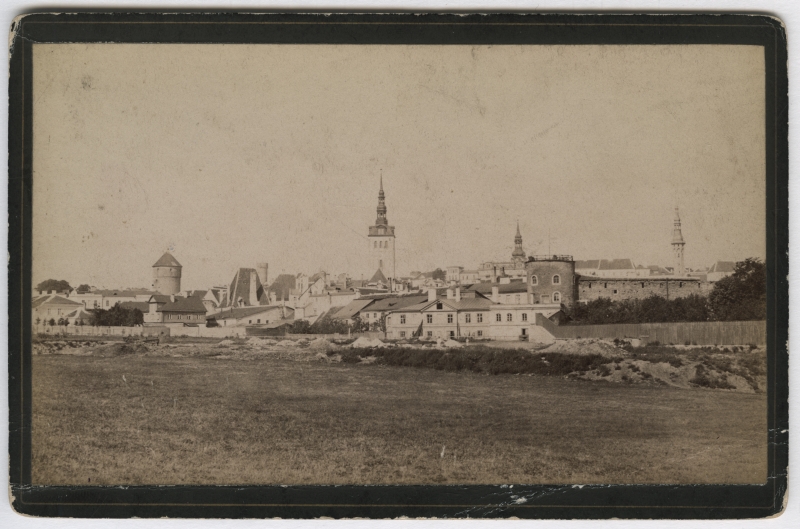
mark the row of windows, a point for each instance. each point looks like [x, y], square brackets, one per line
[661, 285]
[180, 317]
[429, 334]
[380, 244]
[258, 320]
[556, 280]
[468, 317]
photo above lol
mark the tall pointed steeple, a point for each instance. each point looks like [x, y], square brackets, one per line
[518, 252]
[381, 220]
[677, 245]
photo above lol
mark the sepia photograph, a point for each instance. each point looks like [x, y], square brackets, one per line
[288, 264]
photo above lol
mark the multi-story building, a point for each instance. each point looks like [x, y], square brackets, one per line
[381, 241]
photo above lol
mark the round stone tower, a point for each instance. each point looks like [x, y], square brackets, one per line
[167, 275]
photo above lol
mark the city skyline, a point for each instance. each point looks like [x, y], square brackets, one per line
[269, 162]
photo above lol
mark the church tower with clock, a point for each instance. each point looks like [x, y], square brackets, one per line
[381, 241]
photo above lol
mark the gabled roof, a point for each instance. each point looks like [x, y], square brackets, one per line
[184, 305]
[464, 304]
[378, 277]
[240, 288]
[244, 312]
[160, 298]
[723, 266]
[58, 300]
[396, 302]
[616, 264]
[127, 293]
[591, 264]
[502, 288]
[143, 306]
[351, 309]
[167, 260]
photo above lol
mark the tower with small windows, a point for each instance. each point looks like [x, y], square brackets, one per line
[167, 275]
[381, 240]
[677, 246]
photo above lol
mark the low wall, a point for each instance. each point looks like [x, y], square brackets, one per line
[87, 330]
[700, 332]
[371, 335]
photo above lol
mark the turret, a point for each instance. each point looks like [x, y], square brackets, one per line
[677, 245]
[167, 275]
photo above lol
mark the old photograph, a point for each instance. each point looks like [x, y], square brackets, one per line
[260, 264]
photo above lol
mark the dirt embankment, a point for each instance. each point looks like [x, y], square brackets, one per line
[738, 368]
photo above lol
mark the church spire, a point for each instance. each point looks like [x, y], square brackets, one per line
[518, 252]
[381, 221]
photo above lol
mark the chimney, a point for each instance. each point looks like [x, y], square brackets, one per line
[496, 294]
[431, 294]
[450, 293]
[172, 298]
[458, 293]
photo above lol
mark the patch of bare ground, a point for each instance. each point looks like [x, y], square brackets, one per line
[264, 413]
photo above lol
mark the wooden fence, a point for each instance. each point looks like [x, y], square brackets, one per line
[679, 333]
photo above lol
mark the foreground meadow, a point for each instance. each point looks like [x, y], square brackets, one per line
[273, 419]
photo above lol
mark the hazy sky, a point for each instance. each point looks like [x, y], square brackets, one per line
[232, 154]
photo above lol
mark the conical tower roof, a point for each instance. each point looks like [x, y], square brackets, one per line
[167, 260]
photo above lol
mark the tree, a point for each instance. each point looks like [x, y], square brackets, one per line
[38, 321]
[83, 289]
[52, 322]
[742, 295]
[438, 274]
[116, 316]
[58, 285]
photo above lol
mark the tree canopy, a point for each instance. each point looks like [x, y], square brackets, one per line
[742, 295]
[116, 316]
[83, 289]
[59, 285]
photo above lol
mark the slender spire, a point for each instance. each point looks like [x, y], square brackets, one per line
[381, 221]
[518, 251]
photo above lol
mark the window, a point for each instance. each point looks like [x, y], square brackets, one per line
[615, 291]
[480, 333]
[642, 285]
[524, 332]
[452, 334]
[499, 317]
[509, 317]
[449, 318]
[375, 244]
[508, 298]
[375, 315]
[680, 284]
[258, 320]
[556, 279]
[106, 303]
[468, 318]
[534, 280]
[605, 285]
[556, 297]
[524, 316]
[402, 334]
[430, 318]
[438, 306]
[249, 321]
[516, 298]
[430, 334]
[402, 319]
[480, 318]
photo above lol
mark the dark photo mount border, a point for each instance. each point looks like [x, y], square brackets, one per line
[473, 501]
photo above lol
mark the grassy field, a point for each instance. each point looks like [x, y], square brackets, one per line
[162, 420]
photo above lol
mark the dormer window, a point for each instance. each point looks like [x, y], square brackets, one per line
[438, 306]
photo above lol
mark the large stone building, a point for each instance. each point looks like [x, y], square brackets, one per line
[620, 289]
[552, 279]
[167, 275]
[381, 241]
